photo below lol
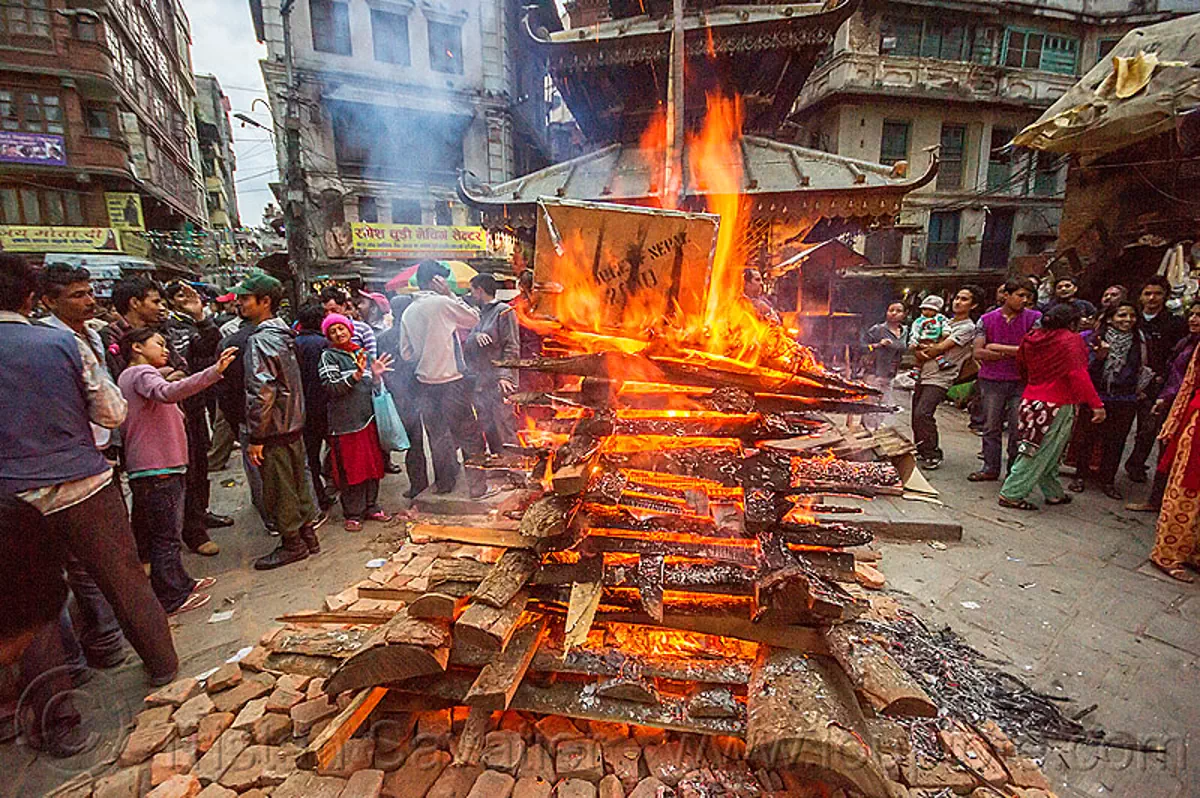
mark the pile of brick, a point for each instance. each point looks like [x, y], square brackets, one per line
[251, 728]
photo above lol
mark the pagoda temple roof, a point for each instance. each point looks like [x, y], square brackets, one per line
[613, 73]
[778, 179]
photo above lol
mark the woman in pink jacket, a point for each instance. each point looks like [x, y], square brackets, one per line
[156, 458]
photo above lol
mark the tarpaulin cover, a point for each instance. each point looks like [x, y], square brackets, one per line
[1150, 80]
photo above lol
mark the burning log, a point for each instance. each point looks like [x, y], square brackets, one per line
[795, 594]
[402, 648]
[876, 676]
[581, 612]
[801, 714]
[546, 522]
[807, 471]
[501, 676]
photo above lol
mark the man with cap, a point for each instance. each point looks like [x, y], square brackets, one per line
[429, 339]
[493, 338]
[998, 336]
[275, 422]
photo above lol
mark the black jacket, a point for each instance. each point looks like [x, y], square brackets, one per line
[231, 391]
[195, 343]
[274, 387]
[1161, 334]
[309, 346]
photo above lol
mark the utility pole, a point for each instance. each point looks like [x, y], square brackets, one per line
[673, 168]
[296, 189]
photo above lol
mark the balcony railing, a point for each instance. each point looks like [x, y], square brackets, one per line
[929, 77]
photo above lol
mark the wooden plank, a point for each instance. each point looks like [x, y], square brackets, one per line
[506, 578]
[567, 698]
[433, 605]
[482, 536]
[801, 712]
[320, 642]
[457, 569]
[487, 627]
[470, 741]
[499, 679]
[876, 676]
[339, 617]
[325, 748]
[402, 648]
[581, 611]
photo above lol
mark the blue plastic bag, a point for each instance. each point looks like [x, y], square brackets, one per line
[392, 437]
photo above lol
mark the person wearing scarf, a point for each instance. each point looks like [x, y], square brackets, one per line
[348, 373]
[1053, 362]
[1177, 368]
[1117, 358]
[1177, 541]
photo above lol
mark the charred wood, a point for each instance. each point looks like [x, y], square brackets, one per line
[887, 687]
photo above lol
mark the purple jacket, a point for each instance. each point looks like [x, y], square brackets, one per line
[153, 433]
[1177, 367]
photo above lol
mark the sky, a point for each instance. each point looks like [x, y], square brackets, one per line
[223, 44]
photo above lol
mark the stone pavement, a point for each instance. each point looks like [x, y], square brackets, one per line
[1067, 598]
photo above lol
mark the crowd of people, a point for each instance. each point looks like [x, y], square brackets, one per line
[110, 430]
[1066, 380]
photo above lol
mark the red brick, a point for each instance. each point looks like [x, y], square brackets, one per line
[537, 764]
[574, 788]
[503, 751]
[492, 784]
[623, 758]
[225, 750]
[306, 784]
[187, 717]
[356, 754]
[233, 699]
[161, 714]
[1024, 772]
[183, 786]
[579, 759]
[166, 764]
[215, 790]
[364, 784]
[212, 727]
[246, 769]
[282, 700]
[308, 714]
[649, 788]
[553, 729]
[146, 741]
[610, 787]
[127, 783]
[532, 787]
[455, 782]
[228, 675]
[433, 728]
[271, 729]
[174, 693]
[420, 771]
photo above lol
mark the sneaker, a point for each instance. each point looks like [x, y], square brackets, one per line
[929, 463]
[272, 531]
[194, 602]
[214, 521]
[283, 555]
[320, 520]
[352, 525]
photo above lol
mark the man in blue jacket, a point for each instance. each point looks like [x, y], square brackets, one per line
[58, 495]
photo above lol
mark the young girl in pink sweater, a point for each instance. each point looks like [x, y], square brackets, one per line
[156, 458]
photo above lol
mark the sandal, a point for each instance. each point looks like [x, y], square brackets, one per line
[193, 602]
[1111, 492]
[1017, 505]
[1056, 502]
[982, 476]
[1076, 485]
[379, 515]
[204, 583]
[352, 525]
[1141, 507]
[1176, 572]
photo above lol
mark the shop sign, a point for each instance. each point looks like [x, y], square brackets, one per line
[21, 238]
[416, 240]
[124, 210]
[42, 149]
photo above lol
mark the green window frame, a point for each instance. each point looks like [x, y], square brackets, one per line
[1025, 48]
[893, 144]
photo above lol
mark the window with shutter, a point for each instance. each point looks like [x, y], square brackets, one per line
[894, 146]
[951, 155]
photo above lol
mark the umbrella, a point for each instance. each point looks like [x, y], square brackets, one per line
[459, 279]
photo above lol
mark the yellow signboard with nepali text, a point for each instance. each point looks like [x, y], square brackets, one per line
[21, 238]
[417, 240]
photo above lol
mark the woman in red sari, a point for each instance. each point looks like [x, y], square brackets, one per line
[1177, 546]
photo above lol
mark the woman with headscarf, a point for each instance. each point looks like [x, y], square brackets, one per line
[349, 374]
[1053, 362]
[1117, 359]
[1177, 544]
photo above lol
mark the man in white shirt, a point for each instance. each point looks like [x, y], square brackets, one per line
[429, 339]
